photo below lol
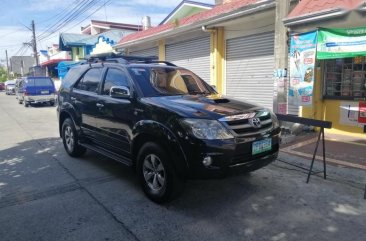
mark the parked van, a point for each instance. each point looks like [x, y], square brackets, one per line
[34, 90]
[10, 87]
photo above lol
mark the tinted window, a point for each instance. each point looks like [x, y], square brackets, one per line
[38, 82]
[90, 81]
[114, 77]
[73, 75]
[169, 81]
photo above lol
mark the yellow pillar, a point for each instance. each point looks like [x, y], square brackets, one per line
[161, 45]
[217, 59]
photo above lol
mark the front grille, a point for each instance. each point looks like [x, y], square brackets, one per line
[242, 127]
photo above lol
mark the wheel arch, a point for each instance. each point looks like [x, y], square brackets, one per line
[150, 131]
[64, 114]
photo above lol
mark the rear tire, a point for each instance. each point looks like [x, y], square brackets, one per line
[52, 103]
[70, 139]
[157, 174]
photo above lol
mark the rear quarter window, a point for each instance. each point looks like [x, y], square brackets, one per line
[73, 75]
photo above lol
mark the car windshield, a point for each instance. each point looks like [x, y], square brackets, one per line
[158, 81]
[39, 82]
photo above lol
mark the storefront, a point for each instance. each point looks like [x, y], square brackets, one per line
[339, 73]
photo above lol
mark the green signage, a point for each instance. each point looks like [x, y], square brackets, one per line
[341, 43]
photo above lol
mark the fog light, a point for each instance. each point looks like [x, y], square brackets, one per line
[207, 161]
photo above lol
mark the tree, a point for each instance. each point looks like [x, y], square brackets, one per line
[3, 76]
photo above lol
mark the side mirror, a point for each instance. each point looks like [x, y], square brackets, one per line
[120, 92]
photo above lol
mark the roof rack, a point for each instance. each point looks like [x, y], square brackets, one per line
[161, 62]
[125, 59]
[120, 58]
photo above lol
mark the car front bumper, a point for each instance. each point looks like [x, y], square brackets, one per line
[229, 157]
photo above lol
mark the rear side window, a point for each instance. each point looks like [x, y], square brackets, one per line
[114, 77]
[90, 80]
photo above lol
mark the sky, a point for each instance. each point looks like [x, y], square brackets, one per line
[52, 17]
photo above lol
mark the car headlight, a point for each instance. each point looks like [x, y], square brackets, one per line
[207, 129]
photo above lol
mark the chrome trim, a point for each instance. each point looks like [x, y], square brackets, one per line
[244, 116]
[236, 127]
[262, 131]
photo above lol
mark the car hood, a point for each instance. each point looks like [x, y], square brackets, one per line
[200, 106]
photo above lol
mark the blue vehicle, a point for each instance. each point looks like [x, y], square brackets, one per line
[36, 90]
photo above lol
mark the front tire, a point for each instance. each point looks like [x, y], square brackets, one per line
[26, 104]
[70, 139]
[157, 175]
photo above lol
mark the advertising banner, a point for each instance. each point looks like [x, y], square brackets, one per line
[302, 63]
[349, 113]
[341, 43]
[353, 113]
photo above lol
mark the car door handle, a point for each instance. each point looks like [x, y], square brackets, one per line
[100, 105]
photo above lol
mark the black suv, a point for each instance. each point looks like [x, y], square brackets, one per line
[164, 121]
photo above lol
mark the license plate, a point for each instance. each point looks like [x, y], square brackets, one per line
[43, 92]
[261, 146]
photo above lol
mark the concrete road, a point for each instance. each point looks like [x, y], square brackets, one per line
[47, 195]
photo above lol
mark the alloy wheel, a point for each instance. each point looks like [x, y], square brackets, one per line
[69, 138]
[154, 172]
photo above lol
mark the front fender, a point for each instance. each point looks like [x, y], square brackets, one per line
[162, 134]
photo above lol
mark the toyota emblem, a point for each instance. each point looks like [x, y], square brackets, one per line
[255, 122]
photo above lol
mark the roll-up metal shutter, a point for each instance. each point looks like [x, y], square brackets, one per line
[249, 68]
[146, 52]
[193, 55]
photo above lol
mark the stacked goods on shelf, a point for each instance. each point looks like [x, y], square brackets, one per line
[346, 82]
[333, 83]
[358, 83]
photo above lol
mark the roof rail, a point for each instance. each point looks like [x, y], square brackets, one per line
[125, 59]
[161, 62]
[129, 58]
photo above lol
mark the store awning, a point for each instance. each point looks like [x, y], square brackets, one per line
[53, 61]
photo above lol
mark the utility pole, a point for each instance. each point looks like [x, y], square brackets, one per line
[7, 64]
[281, 58]
[34, 43]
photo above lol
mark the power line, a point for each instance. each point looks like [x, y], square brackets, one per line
[10, 45]
[106, 3]
[85, 6]
[19, 50]
[50, 35]
[62, 19]
[62, 11]
[10, 33]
